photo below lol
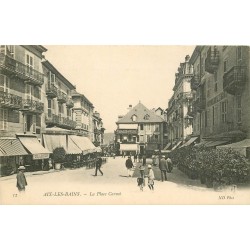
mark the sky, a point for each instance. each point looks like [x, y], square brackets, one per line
[114, 77]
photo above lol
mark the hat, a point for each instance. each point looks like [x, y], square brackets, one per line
[149, 166]
[163, 156]
[21, 168]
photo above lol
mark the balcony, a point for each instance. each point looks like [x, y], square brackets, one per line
[51, 90]
[195, 82]
[10, 101]
[190, 111]
[32, 106]
[70, 103]
[212, 60]
[199, 105]
[61, 97]
[58, 120]
[14, 68]
[234, 80]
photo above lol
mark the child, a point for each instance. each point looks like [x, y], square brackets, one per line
[151, 178]
[140, 182]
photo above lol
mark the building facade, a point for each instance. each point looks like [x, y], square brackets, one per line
[98, 129]
[83, 111]
[221, 91]
[140, 131]
[59, 104]
[179, 120]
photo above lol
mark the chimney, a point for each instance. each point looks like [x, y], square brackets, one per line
[187, 58]
[129, 107]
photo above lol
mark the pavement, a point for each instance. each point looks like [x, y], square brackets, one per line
[80, 186]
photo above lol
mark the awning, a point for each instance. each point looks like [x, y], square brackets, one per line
[128, 147]
[190, 141]
[35, 148]
[11, 147]
[168, 146]
[98, 149]
[176, 146]
[215, 143]
[83, 143]
[51, 142]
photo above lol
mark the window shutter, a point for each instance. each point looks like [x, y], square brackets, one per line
[34, 124]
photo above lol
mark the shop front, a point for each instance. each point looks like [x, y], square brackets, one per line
[12, 155]
[38, 155]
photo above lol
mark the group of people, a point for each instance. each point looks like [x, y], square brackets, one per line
[165, 166]
[141, 180]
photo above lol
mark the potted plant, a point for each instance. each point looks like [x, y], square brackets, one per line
[59, 157]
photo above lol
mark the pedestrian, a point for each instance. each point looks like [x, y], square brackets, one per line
[144, 160]
[140, 183]
[135, 157]
[140, 157]
[21, 179]
[142, 170]
[170, 164]
[129, 166]
[98, 166]
[163, 167]
[151, 177]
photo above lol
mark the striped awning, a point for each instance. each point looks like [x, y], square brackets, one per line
[190, 141]
[177, 145]
[84, 143]
[11, 147]
[51, 142]
[168, 146]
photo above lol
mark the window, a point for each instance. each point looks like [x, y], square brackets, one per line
[28, 91]
[60, 108]
[29, 63]
[134, 118]
[52, 78]
[147, 127]
[141, 138]
[8, 50]
[148, 138]
[141, 126]
[157, 128]
[4, 83]
[224, 111]
[215, 82]
[238, 108]
[213, 116]
[68, 112]
[239, 52]
[146, 117]
[156, 138]
[225, 66]
[3, 119]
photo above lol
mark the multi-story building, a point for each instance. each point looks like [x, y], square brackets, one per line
[21, 104]
[140, 131]
[179, 119]
[59, 103]
[98, 129]
[221, 91]
[83, 111]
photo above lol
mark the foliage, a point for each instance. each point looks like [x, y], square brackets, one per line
[59, 155]
[220, 166]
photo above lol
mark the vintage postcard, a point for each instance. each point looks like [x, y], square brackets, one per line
[124, 125]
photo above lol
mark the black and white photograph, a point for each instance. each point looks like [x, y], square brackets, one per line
[124, 124]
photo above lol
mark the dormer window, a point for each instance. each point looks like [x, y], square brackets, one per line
[146, 117]
[134, 118]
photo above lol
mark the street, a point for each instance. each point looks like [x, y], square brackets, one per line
[79, 186]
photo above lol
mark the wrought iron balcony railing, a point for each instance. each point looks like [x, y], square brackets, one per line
[195, 82]
[212, 60]
[61, 97]
[13, 67]
[10, 101]
[33, 106]
[51, 90]
[235, 79]
[60, 121]
[199, 105]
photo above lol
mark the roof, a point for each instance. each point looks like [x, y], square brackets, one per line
[141, 112]
[52, 68]
[75, 93]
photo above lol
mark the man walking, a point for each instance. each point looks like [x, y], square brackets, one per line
[129, 165]
[98, 166]
[163, 167]
[21, 180]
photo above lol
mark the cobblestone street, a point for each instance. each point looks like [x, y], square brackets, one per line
[79, 186]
